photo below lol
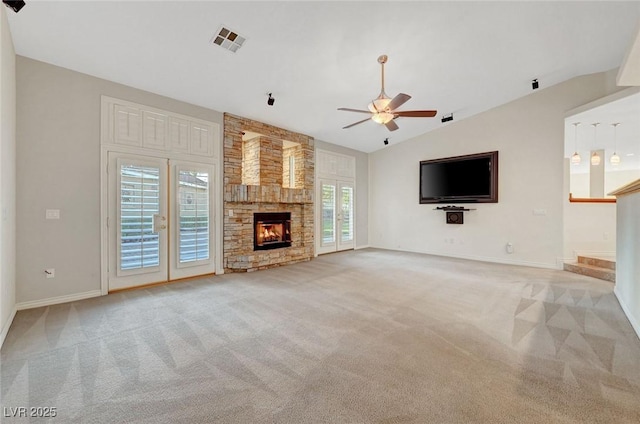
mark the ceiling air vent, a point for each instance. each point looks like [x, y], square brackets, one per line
[228, 39]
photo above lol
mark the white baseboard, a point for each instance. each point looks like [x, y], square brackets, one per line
[482, 259]
[56, 300]
[7, 326]
[632, 320]
[361, 247]
[561, 261]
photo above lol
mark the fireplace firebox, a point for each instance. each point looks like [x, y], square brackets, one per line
[271, 230]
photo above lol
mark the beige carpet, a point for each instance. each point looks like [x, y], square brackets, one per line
[370, 336]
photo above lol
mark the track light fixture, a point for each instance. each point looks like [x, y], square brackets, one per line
[386, 141]
[447, 118]
[271, 100]
[15, 5]
[534, 84]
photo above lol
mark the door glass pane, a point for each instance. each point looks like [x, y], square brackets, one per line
[139, 201]
[346, 230]
[328, 213]
[193, 215]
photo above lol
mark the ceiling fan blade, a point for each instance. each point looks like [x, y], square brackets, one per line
[391, 125]
[417, 113]
[356, 123]
[398, 101]
[354, 110]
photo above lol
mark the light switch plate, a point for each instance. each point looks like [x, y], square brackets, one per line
[52, 214]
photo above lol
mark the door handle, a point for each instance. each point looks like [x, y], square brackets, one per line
[159, 223]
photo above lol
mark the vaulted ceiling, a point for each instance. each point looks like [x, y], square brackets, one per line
[456, 57]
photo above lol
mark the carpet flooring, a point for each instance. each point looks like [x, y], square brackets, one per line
[367, 336]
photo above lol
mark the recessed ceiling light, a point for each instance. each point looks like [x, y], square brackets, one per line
[630, 154]
[228, 39]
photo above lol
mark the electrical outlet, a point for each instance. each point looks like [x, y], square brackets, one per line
[50, 272]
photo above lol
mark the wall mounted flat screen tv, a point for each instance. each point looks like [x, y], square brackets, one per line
[460, 179]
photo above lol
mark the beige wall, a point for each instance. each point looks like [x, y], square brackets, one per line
[529, 134]
[58, 157]
[362, 189]
[7, 177]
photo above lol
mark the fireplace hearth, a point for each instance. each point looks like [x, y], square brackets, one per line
[271, 230]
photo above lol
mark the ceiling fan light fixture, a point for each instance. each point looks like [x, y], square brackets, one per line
[379, 105]
[382, 117]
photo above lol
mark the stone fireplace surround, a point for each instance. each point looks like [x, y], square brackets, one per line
[241, 201]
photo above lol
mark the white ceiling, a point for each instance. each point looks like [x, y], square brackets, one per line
[456, 57]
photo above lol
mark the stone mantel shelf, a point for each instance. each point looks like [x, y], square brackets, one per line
[632, 187]
[242, 193]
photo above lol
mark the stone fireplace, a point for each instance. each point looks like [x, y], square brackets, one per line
[268, 178]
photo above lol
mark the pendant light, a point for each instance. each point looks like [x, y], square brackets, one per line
[575, 159]
[595, 157]
[615, 159]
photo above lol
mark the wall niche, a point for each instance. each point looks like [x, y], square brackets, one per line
[267, 160]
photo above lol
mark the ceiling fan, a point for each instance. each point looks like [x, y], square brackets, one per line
[383, 108]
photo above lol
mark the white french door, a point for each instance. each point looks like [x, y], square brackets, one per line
[191, 240]
[159, 225]
[137, 221]
[336, 216]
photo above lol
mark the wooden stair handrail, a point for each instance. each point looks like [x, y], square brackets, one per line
[590, 200]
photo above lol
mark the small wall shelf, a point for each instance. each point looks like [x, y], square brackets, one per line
[455, 214]
[453, 208]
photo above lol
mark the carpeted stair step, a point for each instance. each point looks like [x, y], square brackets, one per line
[602, 269]
[599, 262]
